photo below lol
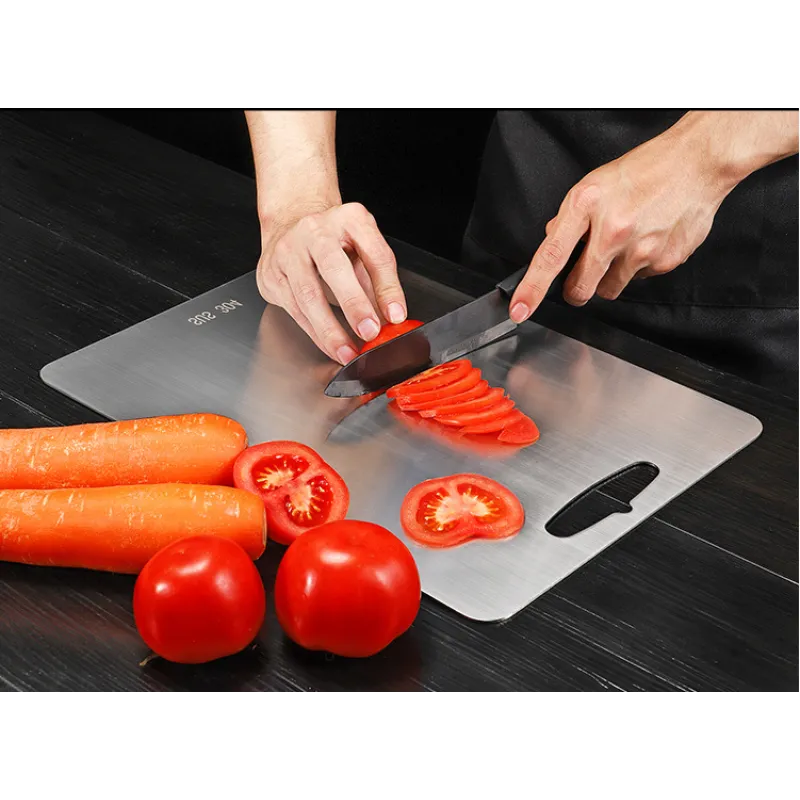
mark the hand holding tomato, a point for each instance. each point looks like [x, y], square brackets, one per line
[390, 331]
[199, 599]
[348, 588]
[326, 252]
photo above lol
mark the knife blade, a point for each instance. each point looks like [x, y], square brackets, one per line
[451, 336]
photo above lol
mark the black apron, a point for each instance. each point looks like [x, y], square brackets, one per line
[733, 304]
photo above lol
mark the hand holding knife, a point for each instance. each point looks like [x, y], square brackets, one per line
[452, 336]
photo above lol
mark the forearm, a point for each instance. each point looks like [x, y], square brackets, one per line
[294, 153]
[733, 144]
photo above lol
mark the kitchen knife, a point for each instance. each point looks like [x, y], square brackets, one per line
[469, 327]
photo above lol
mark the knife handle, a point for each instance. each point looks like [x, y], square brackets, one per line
[509, 285]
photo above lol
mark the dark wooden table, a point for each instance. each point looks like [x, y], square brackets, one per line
[101, 227]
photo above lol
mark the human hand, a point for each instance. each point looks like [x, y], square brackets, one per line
[316, 254]
[640, 216]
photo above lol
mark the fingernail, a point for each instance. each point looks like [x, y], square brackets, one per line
[520, 312]
[396, 313]
[345, 354]
[368, 329]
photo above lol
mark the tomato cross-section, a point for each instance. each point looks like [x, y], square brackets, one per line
[300, 491]
[444, 512]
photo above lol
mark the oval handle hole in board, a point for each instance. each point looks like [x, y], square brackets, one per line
[611, 495]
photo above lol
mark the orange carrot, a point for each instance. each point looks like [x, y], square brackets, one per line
[119, 528]
[189, 448]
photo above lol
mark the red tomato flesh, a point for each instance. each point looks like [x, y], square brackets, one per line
[463, 420]
[494, 425]
[411, 404]
[199, 599]
[454, 406]
[444, 512]
[433, 378]
[348, 588]
[389, 332]
[300, 491]
[440, 393]
[522, 431]
[464, 405]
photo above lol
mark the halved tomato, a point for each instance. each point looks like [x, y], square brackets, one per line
[444, 512]
[521, 431]
[390, 331]
[410, 403]
[433, 378]
[300, 491]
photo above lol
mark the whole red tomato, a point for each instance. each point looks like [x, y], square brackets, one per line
[199, 599]
[348, 587]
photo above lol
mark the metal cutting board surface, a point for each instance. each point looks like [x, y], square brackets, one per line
[229, 353]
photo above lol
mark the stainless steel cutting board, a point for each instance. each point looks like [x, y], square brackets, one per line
[228, 352]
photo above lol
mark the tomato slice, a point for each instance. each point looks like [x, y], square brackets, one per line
[521, 431]
[411, 404]
[486, 446]
[433, 378]
[444, 512]
[454, 406]
[427, 426]
[494, 425]
[462, 420]
[299, 490]
[472, 378]
[389, 332]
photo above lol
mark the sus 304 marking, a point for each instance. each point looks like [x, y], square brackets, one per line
[207, 316]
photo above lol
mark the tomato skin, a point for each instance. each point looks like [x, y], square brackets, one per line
[386, 334]
[494, 425]
[433, 378]
[452, 510]
[410, 404]
[349, 588]
[390, 331]
[199, 599]
[471, 418]
[441, 393]
[459, 403]
[315, 480]
[486, 400]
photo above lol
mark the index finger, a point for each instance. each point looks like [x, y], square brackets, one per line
[552, 256]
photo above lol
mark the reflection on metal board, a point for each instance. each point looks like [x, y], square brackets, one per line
[229, 353]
